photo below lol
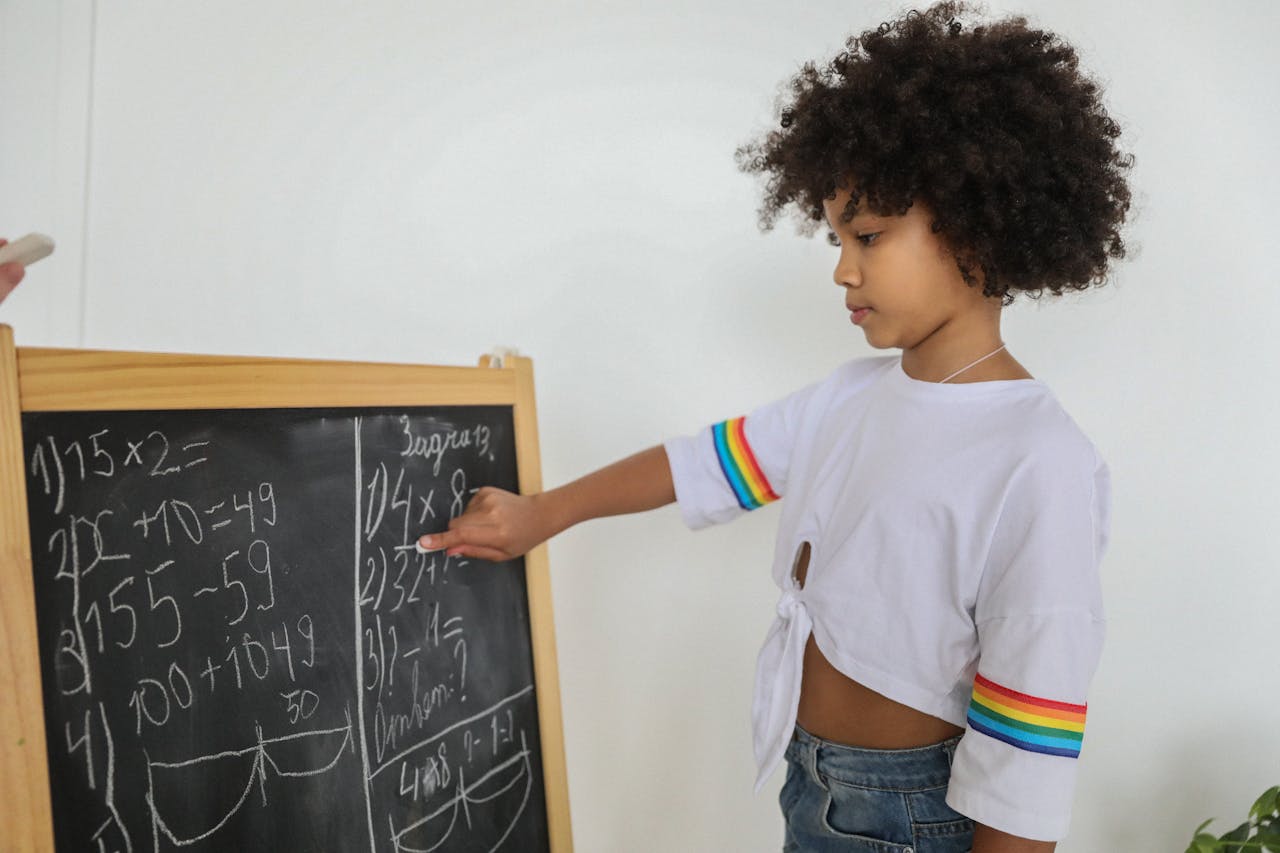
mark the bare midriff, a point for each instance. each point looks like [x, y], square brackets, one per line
[837, 708]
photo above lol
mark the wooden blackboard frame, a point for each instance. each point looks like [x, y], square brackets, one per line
[52, 379]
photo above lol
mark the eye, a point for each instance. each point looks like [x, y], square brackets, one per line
[864, 238]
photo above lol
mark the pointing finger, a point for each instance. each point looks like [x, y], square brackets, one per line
[430, 543]
[451, 538]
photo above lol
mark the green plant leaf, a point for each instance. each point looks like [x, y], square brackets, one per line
[1240, 833]
[1263, 823]
[1270, 838]
[1203, 843]
[1267, 804]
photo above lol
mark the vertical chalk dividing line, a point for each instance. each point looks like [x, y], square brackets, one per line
[364, 746]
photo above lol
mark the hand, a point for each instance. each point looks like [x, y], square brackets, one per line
[10, 274]
[497, 525]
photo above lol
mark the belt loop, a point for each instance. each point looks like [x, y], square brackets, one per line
[951, 747]
[811, 761]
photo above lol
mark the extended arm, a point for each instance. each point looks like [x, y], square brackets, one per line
[500, 525]
[640, 482]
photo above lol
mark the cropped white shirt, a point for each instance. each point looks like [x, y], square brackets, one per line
[956, 531]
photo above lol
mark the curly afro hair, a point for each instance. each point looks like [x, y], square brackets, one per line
[994, 128]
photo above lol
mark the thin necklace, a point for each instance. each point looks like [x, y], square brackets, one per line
[984, 358]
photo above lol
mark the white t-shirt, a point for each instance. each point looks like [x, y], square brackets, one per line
[956, 532]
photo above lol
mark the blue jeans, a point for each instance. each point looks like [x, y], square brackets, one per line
[842, 799]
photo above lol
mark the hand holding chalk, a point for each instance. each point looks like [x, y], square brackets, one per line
[497, 525]
[15, 257]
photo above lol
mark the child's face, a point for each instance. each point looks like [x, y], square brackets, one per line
[904, 273]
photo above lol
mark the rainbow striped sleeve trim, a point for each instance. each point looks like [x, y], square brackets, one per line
[739, 464]
[1027, 722]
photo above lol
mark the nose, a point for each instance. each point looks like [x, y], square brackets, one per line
[846, 273]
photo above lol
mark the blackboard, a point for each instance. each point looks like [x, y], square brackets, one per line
[240, 647]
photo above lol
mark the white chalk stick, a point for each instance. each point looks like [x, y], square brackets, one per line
[27, 250]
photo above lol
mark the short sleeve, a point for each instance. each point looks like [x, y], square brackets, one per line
[1041, 626]
[738, 464]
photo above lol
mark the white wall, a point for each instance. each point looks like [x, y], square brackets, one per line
[406, 181]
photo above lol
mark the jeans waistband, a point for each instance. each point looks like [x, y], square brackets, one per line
[909, 769]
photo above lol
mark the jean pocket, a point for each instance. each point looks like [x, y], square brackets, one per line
[937, 827]
[866, 819]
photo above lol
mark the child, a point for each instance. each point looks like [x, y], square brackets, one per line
[941, 613]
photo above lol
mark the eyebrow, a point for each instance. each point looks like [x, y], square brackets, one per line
[857, 214]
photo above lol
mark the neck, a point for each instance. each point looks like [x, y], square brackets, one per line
[959, 342]
[993, 362]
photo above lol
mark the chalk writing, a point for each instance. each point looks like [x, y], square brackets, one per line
[244, 650]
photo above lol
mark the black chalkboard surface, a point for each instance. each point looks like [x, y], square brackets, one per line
[243, 650]
[238, 645]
